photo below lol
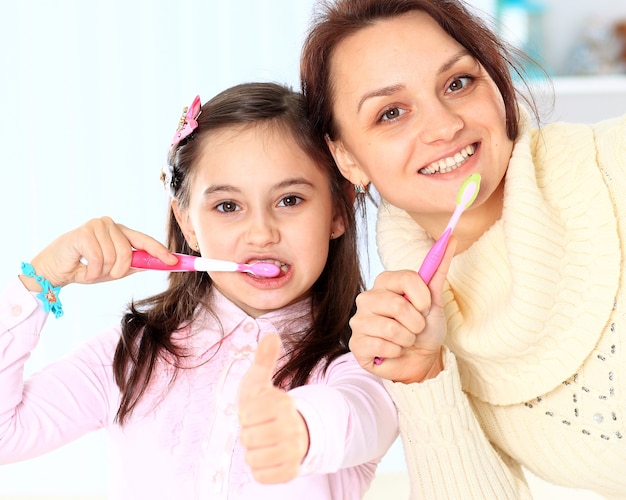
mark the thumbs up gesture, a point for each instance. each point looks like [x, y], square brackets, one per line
[272, 430]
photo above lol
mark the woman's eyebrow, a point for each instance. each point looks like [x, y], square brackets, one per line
[382, 92]
[453, 60]
[391, 89]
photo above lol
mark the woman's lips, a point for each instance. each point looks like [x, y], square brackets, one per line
[450, 163]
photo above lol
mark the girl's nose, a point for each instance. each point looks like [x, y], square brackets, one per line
[262, 231]
[439, 123]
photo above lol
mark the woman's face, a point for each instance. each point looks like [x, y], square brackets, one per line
[416, 115]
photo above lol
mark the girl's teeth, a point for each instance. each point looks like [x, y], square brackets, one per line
[283, 267]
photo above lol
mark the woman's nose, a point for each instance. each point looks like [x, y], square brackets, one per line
[439, 122]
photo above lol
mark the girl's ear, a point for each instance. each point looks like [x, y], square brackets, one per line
[346, 163]
[182, 217]
[337, 226]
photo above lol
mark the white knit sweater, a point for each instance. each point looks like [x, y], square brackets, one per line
[536, 373]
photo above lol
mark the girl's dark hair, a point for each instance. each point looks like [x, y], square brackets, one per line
[148, 325]
[335, 21]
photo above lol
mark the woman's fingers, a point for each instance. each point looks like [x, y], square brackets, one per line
[400, 325]
[386, 322]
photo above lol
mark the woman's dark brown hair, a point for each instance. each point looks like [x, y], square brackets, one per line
[148, 325]
[335, 21]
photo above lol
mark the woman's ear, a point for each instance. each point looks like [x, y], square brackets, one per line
[182, 217]
[346, 163]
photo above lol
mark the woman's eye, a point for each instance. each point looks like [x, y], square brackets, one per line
[227, 207]
[290, 201]
[392, 114]
[459, 83]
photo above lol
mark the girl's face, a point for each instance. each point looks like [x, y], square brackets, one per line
[256, 196]
[416, 116]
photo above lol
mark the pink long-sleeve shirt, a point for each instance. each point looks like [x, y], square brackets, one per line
[182, 441]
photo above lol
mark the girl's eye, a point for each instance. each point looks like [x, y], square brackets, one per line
[227, 207]
[459, 84]
[391, 114]
[290, 201]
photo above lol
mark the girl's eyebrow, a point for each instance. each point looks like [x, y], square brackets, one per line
[391, 89]
[296, 181]
[221, 187]
[229, 188]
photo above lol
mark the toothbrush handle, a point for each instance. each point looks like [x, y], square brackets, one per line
[434, 257]
[143, 260]
[429, 266]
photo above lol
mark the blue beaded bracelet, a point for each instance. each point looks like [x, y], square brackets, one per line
[49, 294]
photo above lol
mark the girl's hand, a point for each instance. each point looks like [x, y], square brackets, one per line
[106, 247]
[401, 320]
[273, 432]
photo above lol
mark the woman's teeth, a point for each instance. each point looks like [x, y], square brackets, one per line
[449, 164]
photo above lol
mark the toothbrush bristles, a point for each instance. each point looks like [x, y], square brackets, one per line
[264, 269]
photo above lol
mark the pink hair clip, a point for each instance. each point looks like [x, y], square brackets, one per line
[187, 123]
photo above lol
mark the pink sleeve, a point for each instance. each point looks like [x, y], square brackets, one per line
[350, 416]
[65, 400]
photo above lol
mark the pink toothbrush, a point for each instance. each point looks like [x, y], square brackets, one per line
[464, 198]
[143, 260]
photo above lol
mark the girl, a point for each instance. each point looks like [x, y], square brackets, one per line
[174, 382]
[521, 360]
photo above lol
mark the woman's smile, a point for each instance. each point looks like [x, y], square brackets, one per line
[450, 163]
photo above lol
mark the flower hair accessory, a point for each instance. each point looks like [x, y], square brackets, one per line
[186, 125]
[188, 121]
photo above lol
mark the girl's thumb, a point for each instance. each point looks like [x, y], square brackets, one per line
[260, 374]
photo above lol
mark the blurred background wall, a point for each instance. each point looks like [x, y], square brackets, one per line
[90, 95]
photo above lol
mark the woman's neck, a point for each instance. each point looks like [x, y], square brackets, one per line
[472, 224]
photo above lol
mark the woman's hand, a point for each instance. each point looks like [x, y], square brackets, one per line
[401, 320]
[104, 245]
[273, 432]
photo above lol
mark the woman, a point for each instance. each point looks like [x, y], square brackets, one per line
[518, 359]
